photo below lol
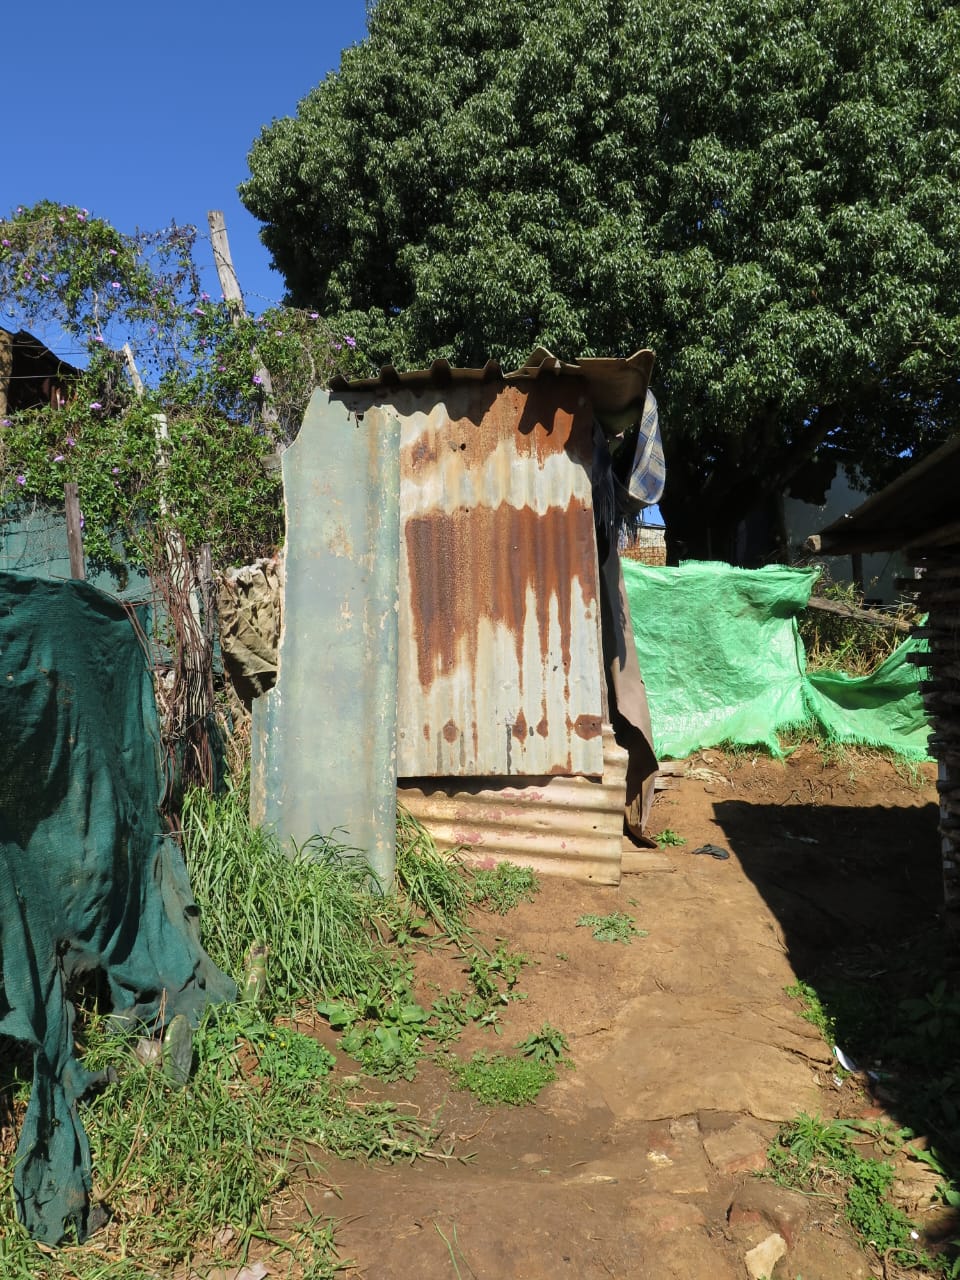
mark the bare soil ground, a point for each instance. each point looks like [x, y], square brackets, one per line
[688, 1053]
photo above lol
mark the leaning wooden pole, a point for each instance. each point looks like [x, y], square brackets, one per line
[234, 299]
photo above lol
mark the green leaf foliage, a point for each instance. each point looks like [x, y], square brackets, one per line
[206, 470]
[767, 192]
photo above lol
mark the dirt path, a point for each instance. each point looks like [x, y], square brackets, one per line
[688, 1053]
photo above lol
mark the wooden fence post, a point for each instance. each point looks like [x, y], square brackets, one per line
[71, 501]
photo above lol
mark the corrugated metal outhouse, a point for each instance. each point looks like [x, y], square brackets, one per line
[513, 650]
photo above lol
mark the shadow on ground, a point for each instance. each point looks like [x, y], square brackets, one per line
[857, 892]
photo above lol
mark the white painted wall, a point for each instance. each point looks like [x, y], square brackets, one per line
[803, 518]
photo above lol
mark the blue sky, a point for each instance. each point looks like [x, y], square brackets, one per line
[144, 114]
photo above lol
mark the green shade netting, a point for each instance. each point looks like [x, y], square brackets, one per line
[89, 883]
[722, 661]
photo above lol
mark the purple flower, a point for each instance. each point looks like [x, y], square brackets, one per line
[257, 380]
[70, 442]
[338, 346]
[21, 479]
[351, 342]
[97, 337]
[58, 458]
[112, 253]
[44, 278]
[197, 311]
[314, 315]
[5, 243]
[81, 218]
[5, 422]
[204, 297]
[114, 284]
[95, 404]
[115, 471]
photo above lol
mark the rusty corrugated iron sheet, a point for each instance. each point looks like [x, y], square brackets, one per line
[558, 826]
[617, 385]
[499, 644]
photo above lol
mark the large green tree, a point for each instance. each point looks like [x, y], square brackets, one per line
[767, 192]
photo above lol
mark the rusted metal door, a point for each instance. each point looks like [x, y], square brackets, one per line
[499, 648]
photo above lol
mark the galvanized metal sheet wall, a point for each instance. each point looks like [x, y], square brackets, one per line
[559, 826]
[499, 648]
[323, 755]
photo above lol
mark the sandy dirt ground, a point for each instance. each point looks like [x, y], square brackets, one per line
[687, 1051]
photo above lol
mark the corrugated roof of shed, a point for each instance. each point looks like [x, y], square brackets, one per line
[617, 385]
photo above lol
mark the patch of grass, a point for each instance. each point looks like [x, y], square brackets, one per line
[311, 909]
[263, 1104]
[813, 1010]
[817, 1155]
[616, 927]
[849, 644]
[511, 1079]
[433, 882]
[504, 887]
[669, 837]
[176, 1166]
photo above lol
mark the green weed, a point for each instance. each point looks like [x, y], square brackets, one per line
[287, 1056]
[616, 927]
[669, 837]
[382, 1030]
[546, 1045]
[837, 643]
[917, 1039]
[814, 1011]
[511, 1079]
[813, 1154]
[504, 887]
[176, 1166]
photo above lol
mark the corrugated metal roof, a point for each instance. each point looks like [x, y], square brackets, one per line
[617, 386]
[917, 509]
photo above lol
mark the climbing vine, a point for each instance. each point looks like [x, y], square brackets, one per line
[195, 447]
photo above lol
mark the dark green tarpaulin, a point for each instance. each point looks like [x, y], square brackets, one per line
[89, 884]
[722, 661]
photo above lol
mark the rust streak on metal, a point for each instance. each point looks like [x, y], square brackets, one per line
[537, 419]
[587, 726]
[484, 566]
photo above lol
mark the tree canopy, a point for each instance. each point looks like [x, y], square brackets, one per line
[767, 192]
